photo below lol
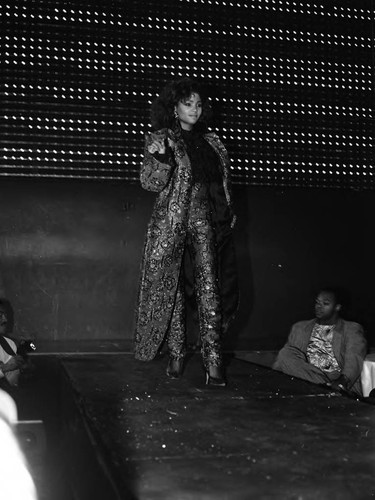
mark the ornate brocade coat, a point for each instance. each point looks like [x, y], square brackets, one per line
[165, 242]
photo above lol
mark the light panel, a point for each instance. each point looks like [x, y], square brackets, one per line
[292, 85]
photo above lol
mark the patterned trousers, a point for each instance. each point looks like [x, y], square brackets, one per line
[201, 245]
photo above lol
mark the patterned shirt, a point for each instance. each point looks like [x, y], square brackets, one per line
[319, 350]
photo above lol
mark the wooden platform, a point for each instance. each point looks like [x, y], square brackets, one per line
[131, 433]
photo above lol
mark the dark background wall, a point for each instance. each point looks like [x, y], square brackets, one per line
[70, 254]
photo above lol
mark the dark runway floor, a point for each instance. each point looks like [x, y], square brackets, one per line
[139, 435]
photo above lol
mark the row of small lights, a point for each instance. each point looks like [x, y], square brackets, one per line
[228, 64]
[106, 160]
[76, 168]
[241, 105]
[255, 32]
[289, 6]
[297, 7]
[278, 167]
[71, 121]
[279, 137]
[299, 140]
[275, 166]
[228, 133]
[13, 153]
[304, 167]
[199, 26]
[90, 46]
[256, 135]
[240, 129]
[93, 94]
[309, 72]
[63, 152]
[73, 93]
[332, 69]
[311, 109]
[257, 106]
[210, 57]
[132, 93]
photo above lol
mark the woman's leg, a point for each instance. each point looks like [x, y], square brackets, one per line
[206, 285]
[176, 337]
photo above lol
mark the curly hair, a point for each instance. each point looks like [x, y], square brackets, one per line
[162, 108]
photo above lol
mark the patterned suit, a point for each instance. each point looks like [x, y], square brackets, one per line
[348, 344]
[182, 221]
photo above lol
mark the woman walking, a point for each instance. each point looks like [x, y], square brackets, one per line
[192, 220]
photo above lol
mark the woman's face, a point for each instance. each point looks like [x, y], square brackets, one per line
[189, 111]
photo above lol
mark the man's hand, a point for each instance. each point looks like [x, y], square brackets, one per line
[340, 384]
[15, 363]
[157, 146]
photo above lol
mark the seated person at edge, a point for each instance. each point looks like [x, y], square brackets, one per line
[190, 229]
[10, 362]
[325, 350]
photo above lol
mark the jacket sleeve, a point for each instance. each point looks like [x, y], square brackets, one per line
[155, 173]
[354, 354]
[293, 336]
[292, 341]
[299, 335]
[298, 340]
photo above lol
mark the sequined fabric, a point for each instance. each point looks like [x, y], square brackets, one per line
[180, 220]
[201, 245]
[320, 351]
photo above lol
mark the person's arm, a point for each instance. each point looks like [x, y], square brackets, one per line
[290, 342]
[354, 354]
[156, 166]
[297, 341]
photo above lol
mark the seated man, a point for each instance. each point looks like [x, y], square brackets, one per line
[10, 362]
[325, 350]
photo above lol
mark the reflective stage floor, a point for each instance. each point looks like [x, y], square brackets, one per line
[130, 432]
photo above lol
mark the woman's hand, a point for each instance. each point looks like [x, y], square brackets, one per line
[157, 146]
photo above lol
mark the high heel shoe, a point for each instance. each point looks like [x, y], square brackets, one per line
[174, 368]
[218, 379]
